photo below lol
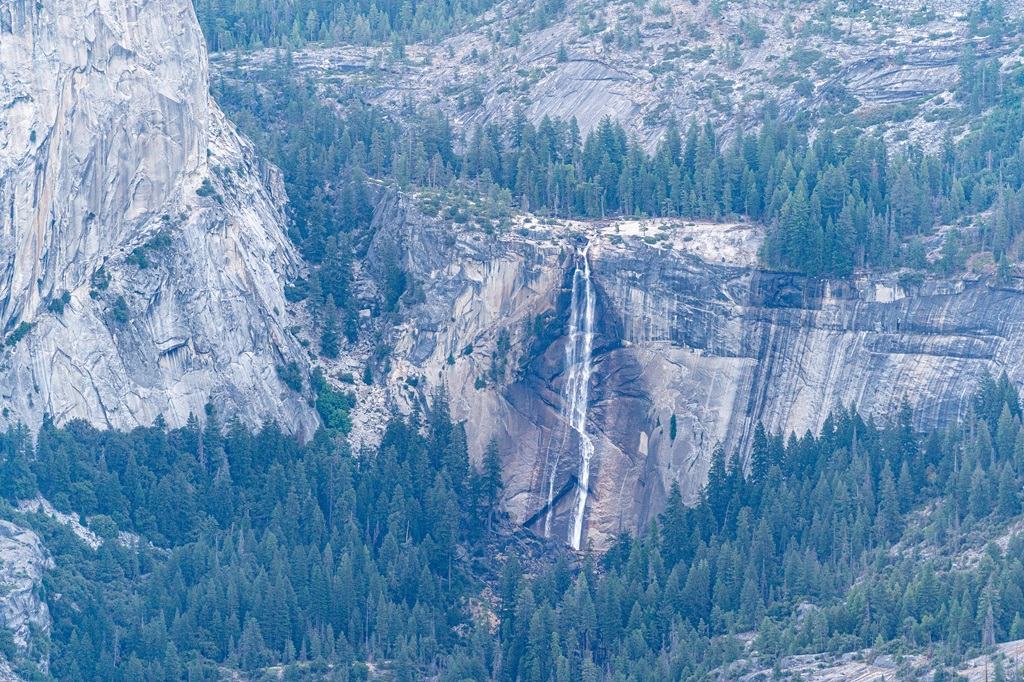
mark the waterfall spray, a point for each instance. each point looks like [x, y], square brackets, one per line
[578, 352]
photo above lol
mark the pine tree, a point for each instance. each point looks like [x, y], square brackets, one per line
[905, 488]
[697, 593]
[1008, 493]
[1006, 433]
[986, 617]
[491, 479]
[456, 458]
[329, 341]
[908, 445]
[887, 520]
[801, 244]
[252, 652]
[674, 531]
[717, 491]
[979, 499]
[760, 455]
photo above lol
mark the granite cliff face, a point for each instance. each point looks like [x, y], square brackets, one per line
[138, 234]
[22, 562]
[694, 334]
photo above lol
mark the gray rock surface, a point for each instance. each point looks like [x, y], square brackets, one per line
[694, 331]
[107, 131]
[22, 562]
[7, 674]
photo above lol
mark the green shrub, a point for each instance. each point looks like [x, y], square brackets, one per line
[206, 189]
[21, 332]
[58, 304]
[290, 375]
[100, 279]
[7, 646]
[159, 241]
[332, 405]
[294, 293]
[120, 310]
[138, 257]
[753, 33]
[103, 526]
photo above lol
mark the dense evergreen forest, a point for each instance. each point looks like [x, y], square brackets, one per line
[254, 24]
[248, 550]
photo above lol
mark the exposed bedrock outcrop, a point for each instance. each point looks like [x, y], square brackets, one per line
[718, 346]
[138, 232]
[22, 562]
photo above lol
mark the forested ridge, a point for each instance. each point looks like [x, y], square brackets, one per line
[275, 23]
[250, 550]
[255, 24]
[832, 193]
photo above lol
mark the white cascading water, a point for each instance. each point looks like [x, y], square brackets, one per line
[578, 352]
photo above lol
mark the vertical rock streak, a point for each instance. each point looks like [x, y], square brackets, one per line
[549, 513]
[578, 352]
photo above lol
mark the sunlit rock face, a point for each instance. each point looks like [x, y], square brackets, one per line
[694, 334]
[138, 231]
[23, 559]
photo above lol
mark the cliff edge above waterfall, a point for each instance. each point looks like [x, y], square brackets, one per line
[693, 346]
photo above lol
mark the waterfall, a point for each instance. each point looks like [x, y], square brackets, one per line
[578, 352]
